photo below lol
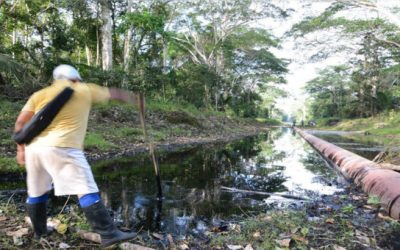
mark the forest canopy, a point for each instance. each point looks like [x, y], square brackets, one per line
[167, 49]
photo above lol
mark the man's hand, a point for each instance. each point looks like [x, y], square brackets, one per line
[23, 118]
[124, 95]
[20, 154]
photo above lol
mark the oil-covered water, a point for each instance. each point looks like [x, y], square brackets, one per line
[276, 162]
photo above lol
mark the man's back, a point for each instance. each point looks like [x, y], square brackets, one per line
[68, 128]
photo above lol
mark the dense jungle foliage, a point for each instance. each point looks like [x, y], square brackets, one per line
[203, 53]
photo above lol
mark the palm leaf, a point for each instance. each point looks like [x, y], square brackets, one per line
[12, 68]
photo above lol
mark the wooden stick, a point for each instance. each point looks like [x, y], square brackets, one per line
[264, 193]
[151, 146]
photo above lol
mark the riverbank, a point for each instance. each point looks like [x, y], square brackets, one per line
[384, 125]
[382, 129]
[345, 220]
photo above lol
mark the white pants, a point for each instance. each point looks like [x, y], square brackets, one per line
[66, 168]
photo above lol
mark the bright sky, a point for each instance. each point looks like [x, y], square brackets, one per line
[300, 70]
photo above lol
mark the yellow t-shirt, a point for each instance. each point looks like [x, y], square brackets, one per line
[68, 128]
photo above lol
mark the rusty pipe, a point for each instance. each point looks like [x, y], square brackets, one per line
[375, 181]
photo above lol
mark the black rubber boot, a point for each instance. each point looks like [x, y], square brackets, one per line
[37, 213]
[101, 222]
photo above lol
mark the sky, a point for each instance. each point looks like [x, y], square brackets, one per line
[297, 52]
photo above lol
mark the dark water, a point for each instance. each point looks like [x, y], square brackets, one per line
[355, 142]
[277, 162]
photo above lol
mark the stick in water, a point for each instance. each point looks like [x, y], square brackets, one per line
[264, 193]
[151, 146]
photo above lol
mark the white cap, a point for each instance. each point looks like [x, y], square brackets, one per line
[66, 72]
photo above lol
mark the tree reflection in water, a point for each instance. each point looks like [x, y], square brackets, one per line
[191, 182]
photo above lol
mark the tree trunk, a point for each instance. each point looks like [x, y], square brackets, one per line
[14, 40]
[97, 47]
[79, 55]
[106, 35]
[88, 55]
[127, 45]
[127, 49]
[164, 64]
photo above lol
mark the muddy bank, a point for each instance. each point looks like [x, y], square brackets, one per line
[173, 144]
[168, 130]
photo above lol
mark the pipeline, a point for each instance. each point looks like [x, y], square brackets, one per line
[375, 181]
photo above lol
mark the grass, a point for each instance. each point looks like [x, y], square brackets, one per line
[269, 121]
[168, 106]
[268, 231]
[385, 125]
[128, 132]
[291, 229]
[97, 141]
[10, 165]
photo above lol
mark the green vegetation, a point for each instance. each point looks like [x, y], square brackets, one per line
[9, 165]
[290, 229]
[97, 141]
[269, 121]
[384, 125]
[225, 66]
[361, 86]
[268, 231]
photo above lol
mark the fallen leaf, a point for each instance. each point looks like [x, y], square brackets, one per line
[300, 239]
[304, 231]
[17, 240]
[19, 233]
[28, 220]
[369, 207]
[267, 218]
[295, 230]
[62, 228]
[54, 223]
[183, 246]
[257, 235]
[90, 236]
[171, 241]
[63, 245]
[284, 242]
[248, 247]
[3, 218]
[336, 247]
[364, 239]
[157, 236]
[131, 246]
[384, 217]
[234, 227]
[330, 221]
[313, 219]
[234, 247]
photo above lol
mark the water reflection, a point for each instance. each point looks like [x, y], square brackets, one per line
[277, 161]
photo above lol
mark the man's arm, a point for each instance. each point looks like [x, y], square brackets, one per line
[22, 119]
[124, 95]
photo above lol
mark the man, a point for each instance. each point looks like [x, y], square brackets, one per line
[55, 156]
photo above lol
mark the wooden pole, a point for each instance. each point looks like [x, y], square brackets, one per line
[151, 146]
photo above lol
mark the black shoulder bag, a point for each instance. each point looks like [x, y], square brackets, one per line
[42, 119]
